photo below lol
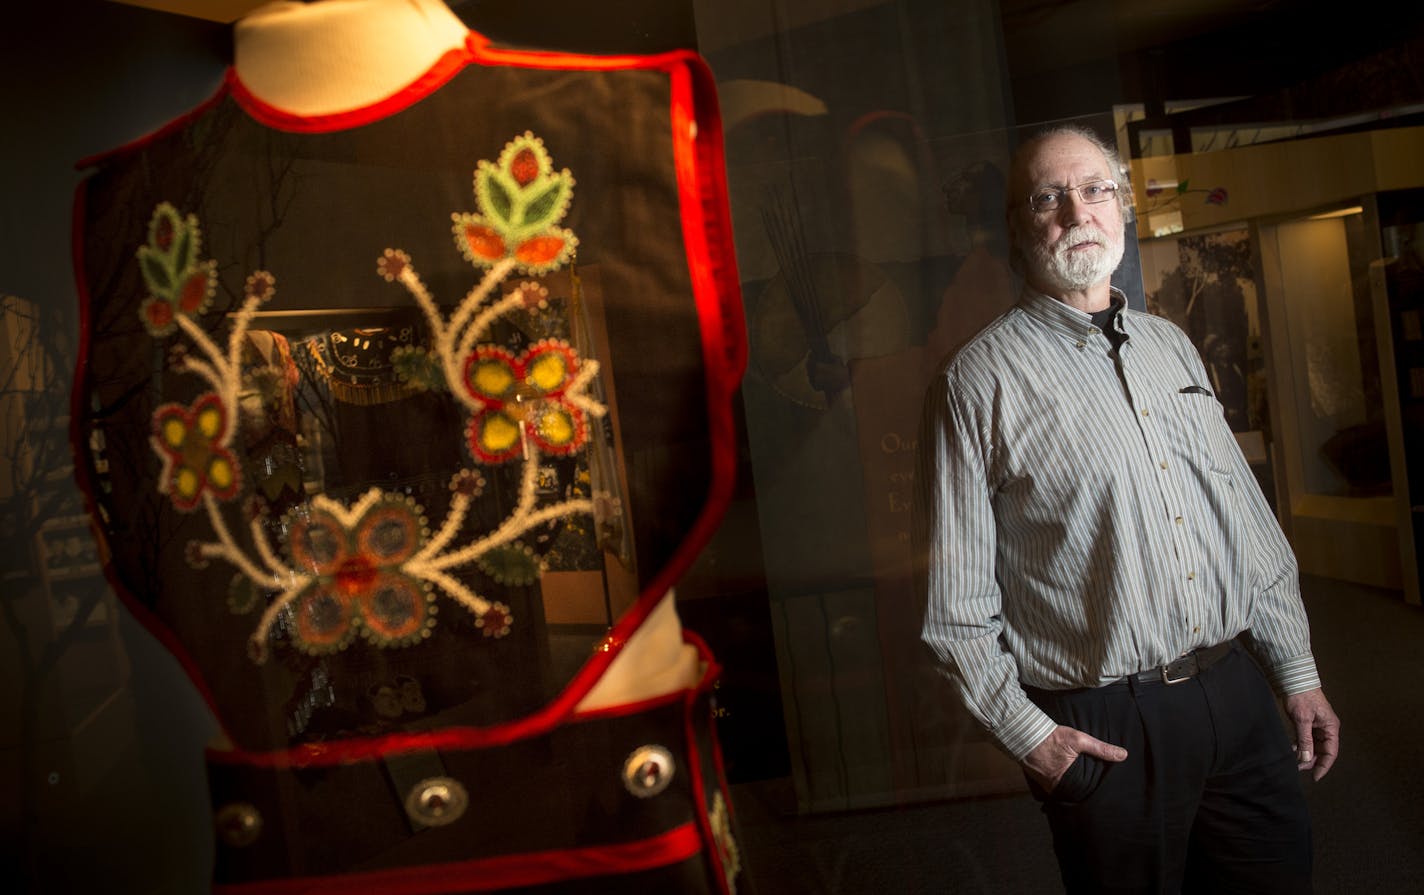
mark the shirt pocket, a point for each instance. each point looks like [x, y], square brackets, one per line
[1207, 439]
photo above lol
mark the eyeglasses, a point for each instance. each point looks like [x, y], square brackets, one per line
[1051, 198]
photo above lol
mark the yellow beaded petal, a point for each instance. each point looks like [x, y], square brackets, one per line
[548, 372]
[499, 433]
[174, 432]
[492, 378]
[557, 426]
[210, 421]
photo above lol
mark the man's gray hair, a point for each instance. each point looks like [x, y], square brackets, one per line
[1016, 197]
[1018, 191]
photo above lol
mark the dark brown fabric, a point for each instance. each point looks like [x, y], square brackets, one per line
[317, 210]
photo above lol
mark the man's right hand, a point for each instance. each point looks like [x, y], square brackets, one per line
[1050, 759]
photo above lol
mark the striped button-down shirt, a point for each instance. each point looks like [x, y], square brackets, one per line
[1083, 515]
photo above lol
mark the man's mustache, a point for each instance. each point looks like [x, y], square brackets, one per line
[1078, 236]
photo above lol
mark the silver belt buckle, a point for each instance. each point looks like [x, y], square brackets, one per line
[1179, 670]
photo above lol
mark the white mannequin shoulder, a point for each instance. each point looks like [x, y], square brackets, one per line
[338, 55]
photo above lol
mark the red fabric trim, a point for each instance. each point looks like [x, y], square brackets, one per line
[370, 748]
[445, 68]
[451, 738]
[490, 874]
[699, 791]
[710, 672]
[716, 289]
[627, 708]
[481, 50]
[477, 49]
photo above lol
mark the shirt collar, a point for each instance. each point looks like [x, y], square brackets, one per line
[1064, 318]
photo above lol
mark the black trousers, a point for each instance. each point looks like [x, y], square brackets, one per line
[1208, 800]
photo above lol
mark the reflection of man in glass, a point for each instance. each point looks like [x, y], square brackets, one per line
[1101, 569]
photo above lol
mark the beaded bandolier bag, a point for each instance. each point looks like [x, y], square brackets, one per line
[397, 425]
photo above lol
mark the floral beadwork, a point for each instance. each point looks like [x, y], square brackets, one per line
[496, 622]
[520, 198]
[373, 568]
[354, 560]
[514, 564]
[179, 283]
[531, 389]
[191, 442]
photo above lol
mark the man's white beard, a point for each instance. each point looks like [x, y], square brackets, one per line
[1062, 269]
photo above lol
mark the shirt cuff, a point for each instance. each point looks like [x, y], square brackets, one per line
[1024, 730]
[1294, 675]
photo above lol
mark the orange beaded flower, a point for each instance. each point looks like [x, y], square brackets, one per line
[357, 582]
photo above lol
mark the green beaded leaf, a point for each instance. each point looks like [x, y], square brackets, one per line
[547, 207]
[163, 227]
[242, 595]
[185, 253]
[514, 564]
[155, 271]
[496, 194]
[418, 368]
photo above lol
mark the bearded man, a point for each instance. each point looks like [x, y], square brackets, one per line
[1105, 586]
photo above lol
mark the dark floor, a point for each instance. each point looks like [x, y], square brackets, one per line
[1368, 813]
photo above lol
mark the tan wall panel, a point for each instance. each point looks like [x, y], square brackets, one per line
[1282, 178]
[1363, 551]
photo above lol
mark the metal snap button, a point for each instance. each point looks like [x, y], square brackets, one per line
[238, 824]
[436, 801]
[648, 771]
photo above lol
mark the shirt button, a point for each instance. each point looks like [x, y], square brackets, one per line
[1196, 629]
[1178, 520]
[1191, 576]
[1082, 344]
[1146, 412]
[1163, 464]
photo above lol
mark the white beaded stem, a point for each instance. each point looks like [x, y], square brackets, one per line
[264, 551]
[413, 284]
[231, 552]
[259, 636]
[508, 532]
[454, 519]
[347, 517]
[204, 369]
[221, 369]
[575, 394]
[215, 357]
[528, 481]
[482, 322]
[242, 320]
[458, 592]
[493, 277]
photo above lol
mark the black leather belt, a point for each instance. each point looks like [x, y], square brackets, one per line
[1185, 667]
